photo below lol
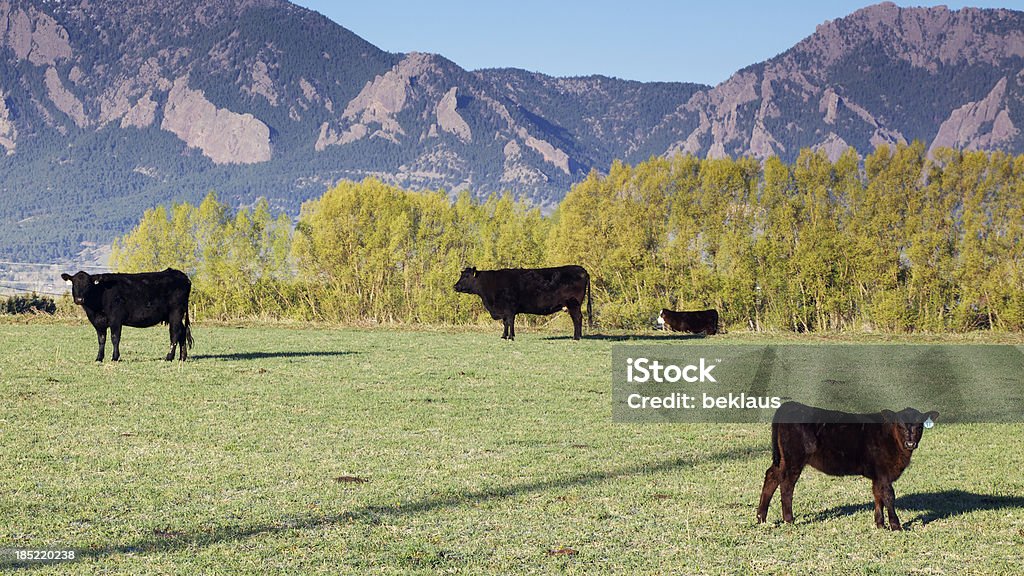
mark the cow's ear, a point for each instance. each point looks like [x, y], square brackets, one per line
[65, 277]
[475, 272]
[95, 281]
[933, 416]
[889, 416]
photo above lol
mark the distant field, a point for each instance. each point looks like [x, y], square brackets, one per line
[478, 455]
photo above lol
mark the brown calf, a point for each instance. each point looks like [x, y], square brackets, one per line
[877, 446]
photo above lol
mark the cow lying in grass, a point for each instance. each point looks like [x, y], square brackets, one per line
[695, 322]
[877, 446]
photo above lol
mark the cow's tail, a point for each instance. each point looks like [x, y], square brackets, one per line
[590, 309]
[776, 453]
[188, 330]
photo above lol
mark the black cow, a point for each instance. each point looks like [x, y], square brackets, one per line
[512, 291]
[877, 446]
[695, 322]
[136, 300]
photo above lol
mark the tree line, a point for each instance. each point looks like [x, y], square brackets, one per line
[897, 241]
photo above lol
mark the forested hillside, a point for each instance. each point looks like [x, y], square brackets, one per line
[905, 242]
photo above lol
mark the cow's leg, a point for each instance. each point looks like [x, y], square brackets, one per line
[504, 333]
[174, 346]
[894, 520]
[115, 338]
[179, 334]
[876, 491]
[885, 497]
[101, 336]
[183, 343]
[174, 327]
[576, 313]
[772, 478]
[788, 483]
[512, 328]
[183, 338]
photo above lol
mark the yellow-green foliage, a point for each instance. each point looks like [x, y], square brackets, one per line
[369, 251]
[361, 252]
[896, 242]
[239, 263]
[900, 242]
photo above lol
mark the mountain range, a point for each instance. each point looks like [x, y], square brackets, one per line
[111, 107]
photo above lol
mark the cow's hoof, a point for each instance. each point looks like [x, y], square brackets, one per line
[169, 357]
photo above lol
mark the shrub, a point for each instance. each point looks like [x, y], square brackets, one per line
[29, 304]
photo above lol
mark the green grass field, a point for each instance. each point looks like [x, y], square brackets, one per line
[316, 450]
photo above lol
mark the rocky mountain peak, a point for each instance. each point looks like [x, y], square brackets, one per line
[881, 75]
[924, 37]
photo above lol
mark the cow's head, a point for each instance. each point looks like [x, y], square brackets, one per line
[80, 285]
[467, 282]
[661, 318]
[908, 425]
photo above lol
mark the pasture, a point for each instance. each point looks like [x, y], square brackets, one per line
[318, 450]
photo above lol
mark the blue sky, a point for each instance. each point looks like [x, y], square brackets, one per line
[648, 40]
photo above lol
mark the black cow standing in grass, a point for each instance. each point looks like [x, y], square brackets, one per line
[877, 446]
[512, 291]
[136, 300]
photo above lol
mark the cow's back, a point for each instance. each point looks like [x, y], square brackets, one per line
[836, 443]
[547, 290]
[532, 290]
[144, 299]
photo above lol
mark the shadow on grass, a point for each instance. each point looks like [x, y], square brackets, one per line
[374, 515]
[930, 506]
[264, 355]
[633, 337]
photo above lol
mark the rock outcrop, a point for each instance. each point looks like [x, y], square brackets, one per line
[448, 117]
[223, 136]
[979, 125]
[63, 99]
[8, 131]
[33, 35]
